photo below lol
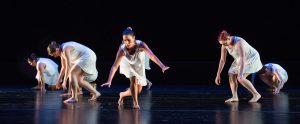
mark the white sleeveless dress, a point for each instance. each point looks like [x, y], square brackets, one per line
[50, 72]
[135, 65]
[275, 67]
[252, 58]
[85, 58]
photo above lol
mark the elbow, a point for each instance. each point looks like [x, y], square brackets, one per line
[222, 61]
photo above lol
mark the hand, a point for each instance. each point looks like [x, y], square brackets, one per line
[165, 68]
[276, 90]
[58, 85]
[218, 80]
[240, 77]
[64, 85]
[106, 84]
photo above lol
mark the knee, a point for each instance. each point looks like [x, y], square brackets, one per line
[241, 80]
[232, 78]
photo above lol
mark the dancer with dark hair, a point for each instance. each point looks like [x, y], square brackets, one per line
[273, 75]
[131, 59]
[246, 62]
[78, 64]
[47, 71]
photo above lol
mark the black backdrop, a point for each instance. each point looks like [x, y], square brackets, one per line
[183, 34]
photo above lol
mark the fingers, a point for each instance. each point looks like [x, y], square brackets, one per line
[106, 84]
[166, 68]
[218, 81]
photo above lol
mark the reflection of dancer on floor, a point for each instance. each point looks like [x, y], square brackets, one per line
[246, 61]
[47, 71]
[78, 64]
[274, 76]
[131, 59]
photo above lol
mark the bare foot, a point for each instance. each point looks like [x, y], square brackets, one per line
[80, 92]
[255, 98]
[65, 95]
[233, 99]
[71, 100]
[94, 85]
[120, 101]
[36, 87]
[95, 96]
[43, 89]
[149, 85]
[136, 107]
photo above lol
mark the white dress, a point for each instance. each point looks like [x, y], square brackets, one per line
[135, 64]
[275, 67]
[85, 58]
[252, 58]
[50, 72]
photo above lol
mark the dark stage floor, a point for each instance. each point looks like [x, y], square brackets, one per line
[162, 104]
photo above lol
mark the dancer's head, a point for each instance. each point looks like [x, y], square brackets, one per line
[32, 59]
[266, 73]
[53, 49]
[128, 37]
[224, 38]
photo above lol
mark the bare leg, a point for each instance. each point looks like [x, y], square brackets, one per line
[233, 86]
[122, 95]
[135, 89]
[94, 85]
[75, 72]
[89, 87]
[248, 85]
[79, 91]
[132, 90]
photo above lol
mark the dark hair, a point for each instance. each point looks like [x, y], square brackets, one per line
[52, 47]
[128, 31]
[32, 57]
[262, 70]
[223, 35]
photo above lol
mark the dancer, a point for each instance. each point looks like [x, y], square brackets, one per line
[78, 65]
[246, 61]
[131, 59]
[47, 71]
[273, 75]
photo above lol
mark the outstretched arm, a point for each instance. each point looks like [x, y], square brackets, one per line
[62, 72]
[67, 60]
[114, 67]
[153, 57]
[221, 65]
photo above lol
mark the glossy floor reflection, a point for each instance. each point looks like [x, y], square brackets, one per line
[160, 105]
